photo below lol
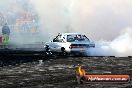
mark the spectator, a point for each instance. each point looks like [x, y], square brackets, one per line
[6, 33]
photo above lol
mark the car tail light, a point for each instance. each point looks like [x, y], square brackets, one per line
[71, 46]
[78, 46]
[81, 45]
[74, 46]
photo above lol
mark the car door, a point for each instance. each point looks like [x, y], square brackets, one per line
[57, 42]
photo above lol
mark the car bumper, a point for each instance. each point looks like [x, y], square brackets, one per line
[78, 51]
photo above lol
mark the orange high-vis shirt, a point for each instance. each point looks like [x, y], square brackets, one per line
[81, 71]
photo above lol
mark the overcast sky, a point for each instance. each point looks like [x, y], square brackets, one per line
[98, 19]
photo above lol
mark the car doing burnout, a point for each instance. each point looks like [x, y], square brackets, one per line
[70, 43]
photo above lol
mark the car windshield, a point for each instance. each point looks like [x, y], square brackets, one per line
[76, 37]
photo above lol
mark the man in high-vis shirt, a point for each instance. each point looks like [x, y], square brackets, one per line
[6, 33]
[80, 75]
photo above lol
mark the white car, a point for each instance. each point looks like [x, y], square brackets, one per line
[70, 43]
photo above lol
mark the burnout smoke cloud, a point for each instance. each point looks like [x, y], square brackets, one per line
[100, 20]
[120, 46]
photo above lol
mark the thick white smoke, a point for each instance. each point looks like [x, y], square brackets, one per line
[108, 22]
[21, 19]
[120, 46]
[92, 17]
[55, 16]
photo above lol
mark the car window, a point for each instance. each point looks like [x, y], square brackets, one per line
[76, 37]
[70, 38]
[58, 39]
[87, 39]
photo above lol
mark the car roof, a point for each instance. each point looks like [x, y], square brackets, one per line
[71, 34]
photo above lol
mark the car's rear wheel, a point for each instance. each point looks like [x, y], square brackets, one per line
[64, 51]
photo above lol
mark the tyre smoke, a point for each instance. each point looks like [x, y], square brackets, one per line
[106, 22]
[119, 47]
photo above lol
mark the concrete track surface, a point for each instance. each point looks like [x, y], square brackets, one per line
[60, 72]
